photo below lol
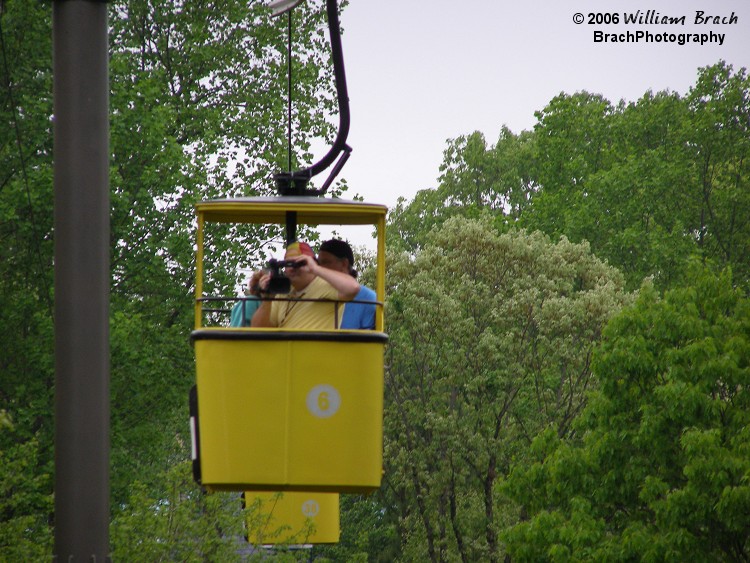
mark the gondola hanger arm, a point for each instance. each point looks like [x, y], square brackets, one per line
[295, 182]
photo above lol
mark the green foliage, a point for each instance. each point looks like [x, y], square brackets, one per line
[368, 532]
[660, 467]
[150, 381]
[474, 178]
[185, 524]
[491, 334]
[197, 107]
[490, 340]
[572, 139]
[630, 211]
[25, 502]
[198, 112]
[26, 367]
[648, 183]
[718, 142]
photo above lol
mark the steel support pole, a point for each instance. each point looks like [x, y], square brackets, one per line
[81, 218]
[291, 227]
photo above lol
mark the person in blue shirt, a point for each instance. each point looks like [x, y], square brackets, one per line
[244, 309]
[337, 255]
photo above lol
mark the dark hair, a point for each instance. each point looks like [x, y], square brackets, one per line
[340, 249]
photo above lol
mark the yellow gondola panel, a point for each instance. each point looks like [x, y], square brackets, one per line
[281, 410]
[292, 518]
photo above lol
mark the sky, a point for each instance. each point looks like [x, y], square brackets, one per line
[421, 72]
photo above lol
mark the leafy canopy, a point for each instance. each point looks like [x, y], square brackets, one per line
[660, 467]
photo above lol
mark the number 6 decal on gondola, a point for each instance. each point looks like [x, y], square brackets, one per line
[323, 401]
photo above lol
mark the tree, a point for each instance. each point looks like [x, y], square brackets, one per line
[180, 524]
[717, 141]
[368, 531]
[474, 178]
[197, 111]
[650, 184]
[26, 450]
[659, 467]
[25, 501]
[572, 143]
[634, 211]
[490, 340]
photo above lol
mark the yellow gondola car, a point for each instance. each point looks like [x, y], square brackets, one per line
[289, 410]
[292, 518]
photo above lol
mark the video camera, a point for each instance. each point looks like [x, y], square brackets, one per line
[279, 283]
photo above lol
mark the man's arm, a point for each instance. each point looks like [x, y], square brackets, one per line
[346, 285]
[262, 316]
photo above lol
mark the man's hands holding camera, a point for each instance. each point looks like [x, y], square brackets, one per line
[272, 280]
[254, 283]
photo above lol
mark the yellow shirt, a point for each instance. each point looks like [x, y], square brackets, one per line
[311, 315]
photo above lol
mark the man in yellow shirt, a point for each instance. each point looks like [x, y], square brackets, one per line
[312, 303]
